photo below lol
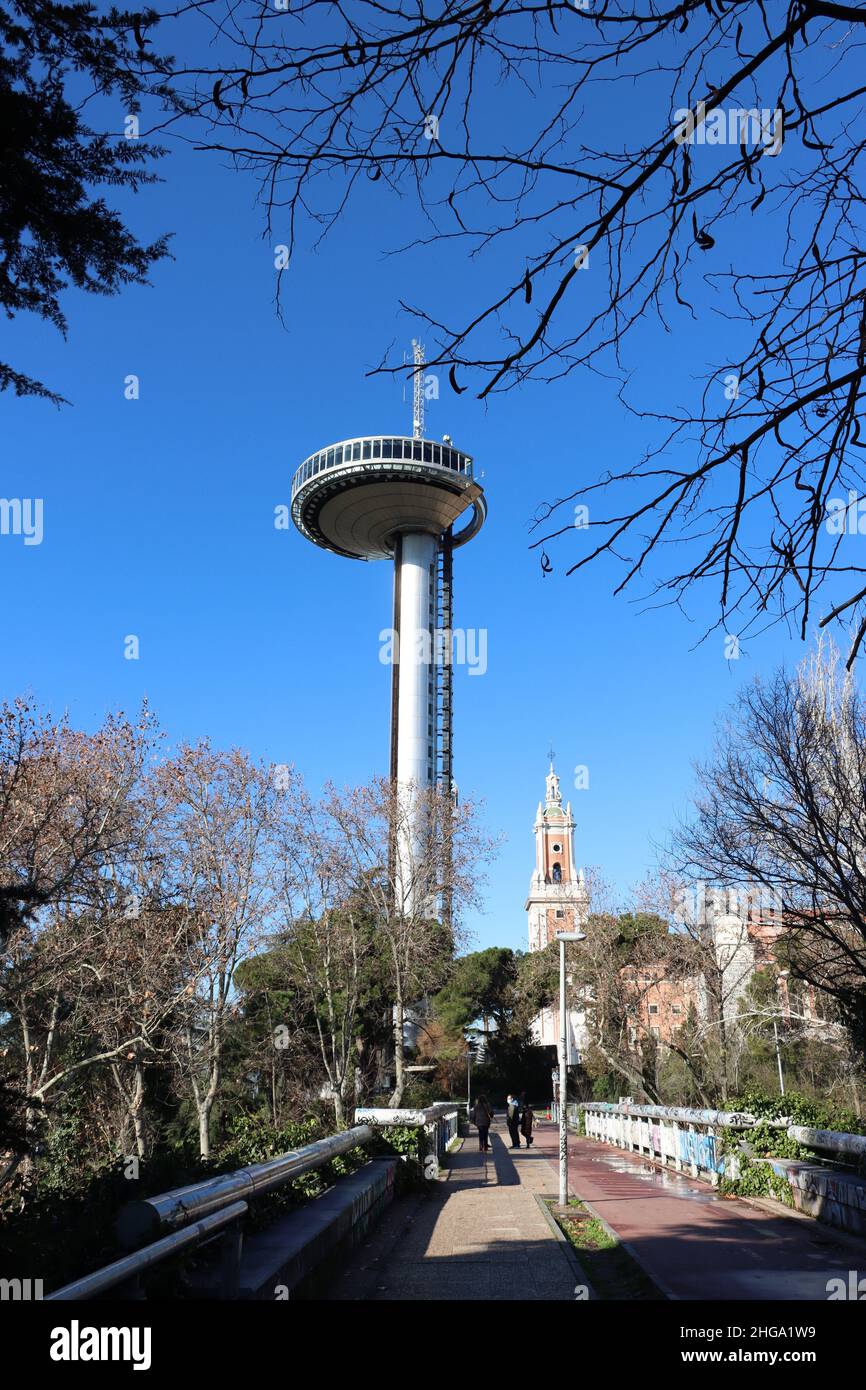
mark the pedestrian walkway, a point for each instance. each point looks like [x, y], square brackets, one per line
[480, 1234]
[695, 1244]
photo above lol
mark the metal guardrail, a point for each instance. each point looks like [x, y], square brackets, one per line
[829, 1140]
[128, 1269]
[145, 1219]
[725, 1119]
[440, 1123]
[689, 1139]
[204, 1211]
[680, 1138]
[189, 1217]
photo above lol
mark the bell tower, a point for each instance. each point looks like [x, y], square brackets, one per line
[557, 896]
[558, 900]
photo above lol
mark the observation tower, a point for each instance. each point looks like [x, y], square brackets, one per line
[392, 497]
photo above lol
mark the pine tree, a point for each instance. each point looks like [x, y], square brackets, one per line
[55, 230]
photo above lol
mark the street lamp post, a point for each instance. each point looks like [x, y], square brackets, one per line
[562, 937]
[779, 1059]
[468, 1056]
[783, 976]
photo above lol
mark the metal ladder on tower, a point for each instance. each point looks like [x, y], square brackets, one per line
[444, 696]
[444, 667]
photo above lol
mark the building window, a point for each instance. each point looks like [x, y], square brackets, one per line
[675, 1009]
[557, 848]
[560, 912]
[557, 873]
[653, 1008]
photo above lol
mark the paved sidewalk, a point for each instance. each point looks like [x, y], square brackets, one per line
[480, 1235]
[695, 1244]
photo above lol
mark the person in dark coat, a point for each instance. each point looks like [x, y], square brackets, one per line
[526, 1119]
[513, 1120]
[481, 1117]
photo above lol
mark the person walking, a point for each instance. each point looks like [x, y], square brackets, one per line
[513, 1120]
[526, 1120]
[481, 1118]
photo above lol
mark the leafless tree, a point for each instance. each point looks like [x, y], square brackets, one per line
[66, 807]
[218, 827]
[614, 973]
[780, 805]
[699, 164]
[327, 932]
[67, 813]
[404, 893]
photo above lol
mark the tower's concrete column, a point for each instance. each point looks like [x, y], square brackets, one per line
[415, 587]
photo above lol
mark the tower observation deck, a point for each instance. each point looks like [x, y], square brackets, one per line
[399, 498]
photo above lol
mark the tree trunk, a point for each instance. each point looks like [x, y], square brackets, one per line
[136, 1113]
[723, 1057]
[339, 1110]
[204, 1128]
[399, 1071]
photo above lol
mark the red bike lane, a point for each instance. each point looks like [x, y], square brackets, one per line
[695, 1244]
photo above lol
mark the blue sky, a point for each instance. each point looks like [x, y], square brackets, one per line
[159, 523]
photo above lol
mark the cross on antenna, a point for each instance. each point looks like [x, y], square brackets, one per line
[418, 390]
[550, 753]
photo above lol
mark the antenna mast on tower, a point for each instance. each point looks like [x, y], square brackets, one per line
[418, 390]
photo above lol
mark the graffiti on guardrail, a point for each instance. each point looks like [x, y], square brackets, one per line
[699, 1149]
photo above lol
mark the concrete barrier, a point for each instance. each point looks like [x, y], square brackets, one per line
[298, 1256]
[834, 1198]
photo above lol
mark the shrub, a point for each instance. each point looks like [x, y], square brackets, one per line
[800, 1109]
[757, 1180]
